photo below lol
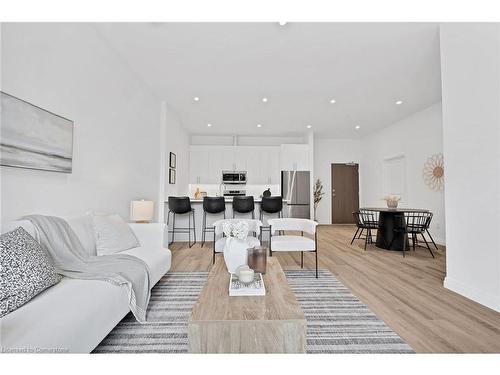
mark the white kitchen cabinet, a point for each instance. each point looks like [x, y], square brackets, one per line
[262, 163]
[294, 157]
[221, 158]
[199, 172]
[273, 175]
[246, 159]
[268, 165]
[242, 156]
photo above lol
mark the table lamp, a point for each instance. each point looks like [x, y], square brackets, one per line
[141, 211]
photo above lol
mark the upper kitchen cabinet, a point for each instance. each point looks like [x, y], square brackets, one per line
[242, 157]
[269, 161]
[262, 163]
[199, 157]
[221, 158]
[295, 157]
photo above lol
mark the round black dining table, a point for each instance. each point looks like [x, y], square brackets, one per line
[386, 237]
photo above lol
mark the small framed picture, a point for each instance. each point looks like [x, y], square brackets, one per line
[172, 160]
[171, 176]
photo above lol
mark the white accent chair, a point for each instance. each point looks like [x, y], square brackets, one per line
[289, 242]
[254, 226]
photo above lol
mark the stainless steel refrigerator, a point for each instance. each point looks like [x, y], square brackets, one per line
[296, 189]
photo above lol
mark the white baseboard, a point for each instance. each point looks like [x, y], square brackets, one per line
[484, 298]
[440, 241]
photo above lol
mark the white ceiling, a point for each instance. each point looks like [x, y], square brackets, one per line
[365, 67]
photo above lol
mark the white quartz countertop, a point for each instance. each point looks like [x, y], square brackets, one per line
[228, 200]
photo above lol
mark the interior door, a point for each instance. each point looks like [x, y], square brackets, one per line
[345, 192]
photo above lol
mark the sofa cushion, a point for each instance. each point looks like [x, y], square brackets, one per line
[157, 258]
[26, 270]
[8, 226]
[112, 234]
[72, 316]
[292, 243]
[82, 226]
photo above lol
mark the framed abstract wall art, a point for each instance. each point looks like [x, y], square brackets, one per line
[34, 138]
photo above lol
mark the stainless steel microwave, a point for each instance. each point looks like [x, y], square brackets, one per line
[234, 177]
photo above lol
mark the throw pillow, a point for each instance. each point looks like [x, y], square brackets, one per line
[26, 270]
[112, 234]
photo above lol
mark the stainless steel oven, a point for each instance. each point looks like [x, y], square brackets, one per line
[234, 177]
[234, 193]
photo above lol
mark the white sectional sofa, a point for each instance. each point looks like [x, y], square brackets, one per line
[76, 315]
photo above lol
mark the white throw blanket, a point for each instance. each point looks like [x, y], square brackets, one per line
[70, 258]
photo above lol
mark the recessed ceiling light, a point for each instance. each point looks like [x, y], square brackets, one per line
[264, 100]
[333, 101]
[196, 99]
[357, 126]
[282, 23]
[209, 125]
[309, 126]
[398, 102]
[259, 125]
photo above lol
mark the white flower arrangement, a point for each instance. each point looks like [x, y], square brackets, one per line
[392, 198]
[238, 229]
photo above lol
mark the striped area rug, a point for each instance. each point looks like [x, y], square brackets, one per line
[337, 322]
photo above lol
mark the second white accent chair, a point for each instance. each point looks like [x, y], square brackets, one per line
[289, 242]
[254, 227]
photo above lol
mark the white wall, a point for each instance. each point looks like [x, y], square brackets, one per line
[470, 70]
[415, 138]
[68, 69]
[177, 141]
[326, 152]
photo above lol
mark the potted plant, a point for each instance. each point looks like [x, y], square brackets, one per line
[318, 195]
[392, 201]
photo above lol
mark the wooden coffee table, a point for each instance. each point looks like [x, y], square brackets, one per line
[273, 323]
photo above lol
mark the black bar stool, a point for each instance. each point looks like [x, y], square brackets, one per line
[211, 205]
[271, 205]
[244, 205]
[181, 206]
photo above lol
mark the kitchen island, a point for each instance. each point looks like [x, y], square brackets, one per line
[181, 221]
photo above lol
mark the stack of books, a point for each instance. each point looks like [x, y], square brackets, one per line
[254, 288]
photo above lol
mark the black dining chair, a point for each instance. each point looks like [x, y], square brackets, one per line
[181, 206]
[427, 226]
[412, 224]
[211, 206]
[365, 221]
[417, 223]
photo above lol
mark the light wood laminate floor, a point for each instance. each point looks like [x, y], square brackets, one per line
[407, 293]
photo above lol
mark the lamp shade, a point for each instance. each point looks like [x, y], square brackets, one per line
[141, 210]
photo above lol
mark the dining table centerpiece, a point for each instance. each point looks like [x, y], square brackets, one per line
[236, 245]
[392, 201]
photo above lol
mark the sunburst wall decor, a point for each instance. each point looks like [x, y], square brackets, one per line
[433, 172]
